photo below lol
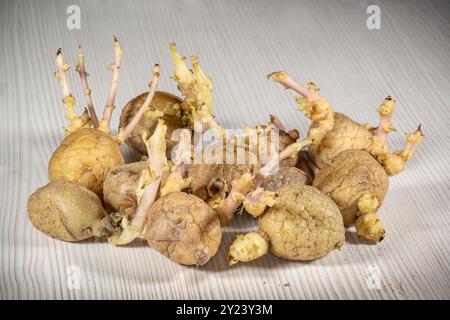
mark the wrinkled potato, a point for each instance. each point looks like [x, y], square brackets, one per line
[68, 211]
[119, 188]
[285, 176]
[207, 177]
[184, 228]
[305, 224]
[85, 157]
[351, 174]
[346, 134]
[168, 104]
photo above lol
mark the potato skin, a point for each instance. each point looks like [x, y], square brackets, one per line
[202, 174]
[184, 228]
[305, 224]
[85, 157]
[285, 176]
[161, 101]
[346, 134]
[349, 175]
[119, 188]
[66, 211]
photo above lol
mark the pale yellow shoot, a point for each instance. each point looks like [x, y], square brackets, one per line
[248, 247]
[175, 182]
[379, 144]
[257, 201]
[394, 163]
[202, 87]
[75, 122]
[182, 74]
[368, 224]
[115, 67]
[315, 107]
[239, 186]
[148, 186]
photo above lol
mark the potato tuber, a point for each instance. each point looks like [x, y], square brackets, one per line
[68, 211]
[184, 228]
[351, 176]
[285, 176]
[305, 224]
[163, 105]
[119, 188]
[87, 154]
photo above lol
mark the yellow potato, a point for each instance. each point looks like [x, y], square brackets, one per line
[85, 157]
[68, 211]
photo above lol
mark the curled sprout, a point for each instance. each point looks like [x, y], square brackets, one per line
[247, 247]
[394, 163]
[239, 187]
[379, 143]
[148, 186]
[315, 107]
[256, 202]
[368, 224]
[124, 133]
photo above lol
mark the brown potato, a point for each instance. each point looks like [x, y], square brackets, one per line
[305, 224]
[351, 174]
[162, 101]
[346, 134]
[285, 176]
[119, 188]
[204, 174]
[85, 157]
[184, 228]
[68, 211]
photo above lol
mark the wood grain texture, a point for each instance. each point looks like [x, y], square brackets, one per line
[239, 43]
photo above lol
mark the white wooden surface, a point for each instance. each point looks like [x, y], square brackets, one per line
[238, 42]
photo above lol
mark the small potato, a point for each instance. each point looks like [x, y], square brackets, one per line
[170, 107]
[68, 211]
[305, 224]
[247, 247]
[184, 228]
[285, 176]
[119, 188]
[350, 175]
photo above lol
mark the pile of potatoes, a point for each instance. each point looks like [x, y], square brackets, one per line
[303, 194]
